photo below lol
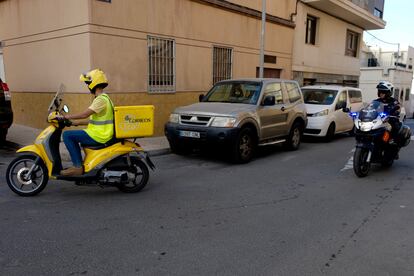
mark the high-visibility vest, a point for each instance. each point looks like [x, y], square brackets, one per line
[101, 128]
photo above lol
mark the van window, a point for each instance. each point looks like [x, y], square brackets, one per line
[293, 92]
[355, 96]
[341, 103]
[274, 89]
[319, 96]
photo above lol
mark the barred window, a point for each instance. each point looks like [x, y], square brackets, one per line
[161, 64]
[222, 63]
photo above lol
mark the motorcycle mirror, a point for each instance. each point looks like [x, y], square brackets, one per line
[65, 108]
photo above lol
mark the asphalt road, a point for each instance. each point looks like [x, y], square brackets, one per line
[285, 213]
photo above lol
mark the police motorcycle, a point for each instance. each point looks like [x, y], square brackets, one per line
[120, 162]
[374, 143]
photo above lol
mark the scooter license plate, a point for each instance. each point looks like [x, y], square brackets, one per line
[191, 134]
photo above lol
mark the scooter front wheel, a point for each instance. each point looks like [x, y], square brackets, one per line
[19, 179]
[361, 165]
[138, 176]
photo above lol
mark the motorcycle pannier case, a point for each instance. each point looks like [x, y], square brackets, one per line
[405, 135]
[134, 121]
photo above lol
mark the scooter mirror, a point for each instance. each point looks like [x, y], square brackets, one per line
[65, 108]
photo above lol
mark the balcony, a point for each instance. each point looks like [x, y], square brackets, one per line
[348, 11]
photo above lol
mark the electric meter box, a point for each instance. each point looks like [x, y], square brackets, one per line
[134, 121]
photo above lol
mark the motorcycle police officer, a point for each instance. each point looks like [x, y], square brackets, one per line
[392, 106]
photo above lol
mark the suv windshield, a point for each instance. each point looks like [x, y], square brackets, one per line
[319, 96]
[234, 92]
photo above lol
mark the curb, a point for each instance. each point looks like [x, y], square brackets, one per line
[159, 152]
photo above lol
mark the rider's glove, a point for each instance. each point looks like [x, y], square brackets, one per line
[67, 122]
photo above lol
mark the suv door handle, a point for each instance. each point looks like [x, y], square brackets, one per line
[283, 108]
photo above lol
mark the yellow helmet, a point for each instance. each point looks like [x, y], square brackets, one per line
[94, 78]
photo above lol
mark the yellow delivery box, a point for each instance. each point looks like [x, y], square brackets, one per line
[134, 121]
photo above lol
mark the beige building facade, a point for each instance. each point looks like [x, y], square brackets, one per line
[328, 39]
[159, 52]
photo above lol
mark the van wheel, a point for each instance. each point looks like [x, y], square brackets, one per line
[295, 135]
[330, 134]
[244, 147]
[352, 131]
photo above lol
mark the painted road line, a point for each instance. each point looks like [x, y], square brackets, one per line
[350, 164]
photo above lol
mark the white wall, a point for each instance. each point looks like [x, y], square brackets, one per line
[2, 76]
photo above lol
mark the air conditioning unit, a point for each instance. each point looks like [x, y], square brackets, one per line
[397, 55]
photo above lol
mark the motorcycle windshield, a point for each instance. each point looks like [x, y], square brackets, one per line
[371, 111]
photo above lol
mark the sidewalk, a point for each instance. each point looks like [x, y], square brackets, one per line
[22, 135]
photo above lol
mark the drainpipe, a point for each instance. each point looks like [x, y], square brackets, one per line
[262, 38]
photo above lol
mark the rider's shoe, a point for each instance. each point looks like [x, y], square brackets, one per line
[393, 142]
[73, 171]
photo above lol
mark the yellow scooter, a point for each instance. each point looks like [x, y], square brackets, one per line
[120, 163]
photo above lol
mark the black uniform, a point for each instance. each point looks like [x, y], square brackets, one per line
[392, 107]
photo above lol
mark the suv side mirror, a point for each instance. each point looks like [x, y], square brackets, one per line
[200, 97]
[346, 109]
[269, 100]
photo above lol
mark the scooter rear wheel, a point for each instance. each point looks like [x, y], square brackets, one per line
[18, 179]
[138, 175]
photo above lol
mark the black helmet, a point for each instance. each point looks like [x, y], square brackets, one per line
[385, 87]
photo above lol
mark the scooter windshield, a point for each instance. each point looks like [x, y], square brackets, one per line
[57, 99]
[371, 111]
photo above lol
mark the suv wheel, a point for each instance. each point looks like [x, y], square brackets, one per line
[295, 135]
[244, 146]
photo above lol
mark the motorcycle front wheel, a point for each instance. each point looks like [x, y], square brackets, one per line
[138, 176]
[361, 166]
[19, 180]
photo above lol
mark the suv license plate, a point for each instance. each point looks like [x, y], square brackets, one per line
[191, 134]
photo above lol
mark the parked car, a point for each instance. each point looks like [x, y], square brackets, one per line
[239, 115]
[6, 113]
[325, 109]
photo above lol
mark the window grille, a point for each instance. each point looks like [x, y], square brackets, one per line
[222, 63]
[161, 64]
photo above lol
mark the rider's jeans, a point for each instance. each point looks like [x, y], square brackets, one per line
[72, 139]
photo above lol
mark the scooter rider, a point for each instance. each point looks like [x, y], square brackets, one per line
[385, 89]
[100, 127]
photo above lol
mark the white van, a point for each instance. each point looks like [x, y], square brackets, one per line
[324, 105]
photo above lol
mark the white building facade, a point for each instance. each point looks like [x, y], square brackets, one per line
[393, 66]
